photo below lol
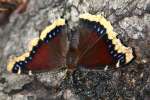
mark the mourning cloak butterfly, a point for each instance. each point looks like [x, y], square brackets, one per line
[98, 45]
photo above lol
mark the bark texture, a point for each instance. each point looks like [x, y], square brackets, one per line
[130, 18]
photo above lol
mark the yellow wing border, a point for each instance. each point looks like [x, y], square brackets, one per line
[119, 47]
[34, 42]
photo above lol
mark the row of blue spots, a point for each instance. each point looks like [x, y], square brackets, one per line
[121, 58]
[22, 64]
[16, 68]
[100, 30]
[113, 53]
[117, 56]
[52, 34]
[34, 49]
[111, 49]
[33, 52]
[18, 65]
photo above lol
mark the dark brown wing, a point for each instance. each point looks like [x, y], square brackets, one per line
[47, 53]
[99, 45]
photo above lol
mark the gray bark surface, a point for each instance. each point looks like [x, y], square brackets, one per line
[130, 19]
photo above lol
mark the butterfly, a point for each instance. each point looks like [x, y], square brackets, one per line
[97, 46]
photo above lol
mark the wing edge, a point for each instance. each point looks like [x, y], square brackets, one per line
[119, 47]
[12, 61]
